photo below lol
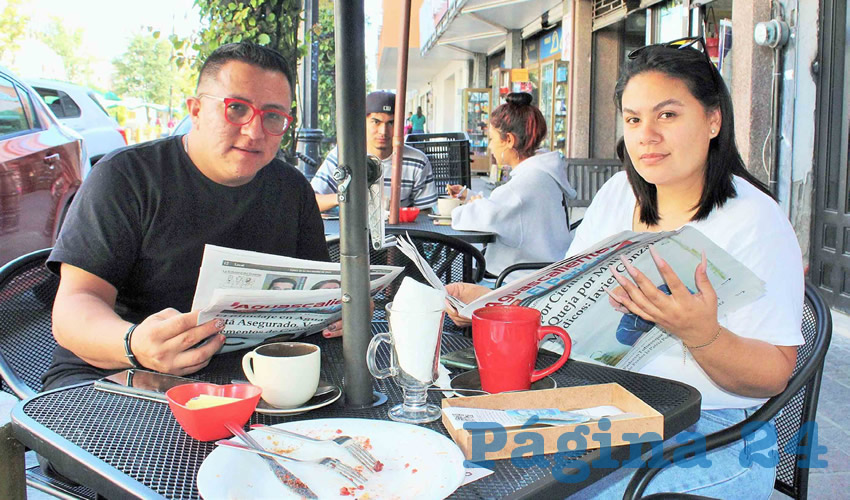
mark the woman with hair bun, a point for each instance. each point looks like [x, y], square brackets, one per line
[528, 214]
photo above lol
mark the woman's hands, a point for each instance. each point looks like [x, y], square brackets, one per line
[457, 191]
[467, 292]
[690, 316]
[462, 193]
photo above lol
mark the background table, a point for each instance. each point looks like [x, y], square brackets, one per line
[422, 223]
[122, 446]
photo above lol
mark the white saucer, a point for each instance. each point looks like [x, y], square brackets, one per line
[311, 404]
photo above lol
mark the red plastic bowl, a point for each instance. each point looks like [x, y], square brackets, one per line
[407, 214]
[207, 424]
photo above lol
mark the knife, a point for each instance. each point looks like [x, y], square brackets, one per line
[283, 475]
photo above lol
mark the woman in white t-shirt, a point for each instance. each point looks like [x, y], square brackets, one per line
[683, 167]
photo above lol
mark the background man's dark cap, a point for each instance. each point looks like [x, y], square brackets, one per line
[380, 102]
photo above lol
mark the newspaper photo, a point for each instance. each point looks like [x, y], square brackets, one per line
[573, 294]
[262, 295]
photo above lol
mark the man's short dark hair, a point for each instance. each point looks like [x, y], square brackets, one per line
[288, 281]
[249, 53]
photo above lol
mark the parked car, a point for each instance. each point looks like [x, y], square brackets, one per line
[183, 127]
[41, 167]
[79, 108]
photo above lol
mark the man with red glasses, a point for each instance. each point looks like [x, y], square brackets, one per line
[417, 178]
[131, 247]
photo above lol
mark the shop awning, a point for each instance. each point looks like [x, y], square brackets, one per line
[480, 26]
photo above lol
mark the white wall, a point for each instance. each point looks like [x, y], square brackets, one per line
[448, 85]
[797, 145]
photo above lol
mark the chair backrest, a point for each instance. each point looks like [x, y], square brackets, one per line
[448, 154]
[587, 175]
[451, 258]
[801, 408]
[797, 404]
[27, 290]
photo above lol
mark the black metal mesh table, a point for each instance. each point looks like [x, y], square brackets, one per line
[122, 446]
[422, 223]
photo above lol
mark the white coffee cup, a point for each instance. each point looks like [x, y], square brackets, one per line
[445, 205]
[288, 372]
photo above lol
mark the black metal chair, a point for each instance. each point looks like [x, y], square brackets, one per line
[448, 154]
[27, 291]
[451, 259]
[587, 175]
[798, 405]
[524, 266]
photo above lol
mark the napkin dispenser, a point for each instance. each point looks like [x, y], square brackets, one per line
[478, 444]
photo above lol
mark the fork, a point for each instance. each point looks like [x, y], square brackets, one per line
[331, 463]
[353, 447]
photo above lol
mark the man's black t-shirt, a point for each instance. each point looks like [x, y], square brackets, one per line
[142, 217]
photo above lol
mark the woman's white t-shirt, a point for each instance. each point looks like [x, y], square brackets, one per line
[752, 228]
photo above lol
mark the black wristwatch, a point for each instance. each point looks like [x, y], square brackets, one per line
[127, 351]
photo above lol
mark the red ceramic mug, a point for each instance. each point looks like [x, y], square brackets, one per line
[506, 340]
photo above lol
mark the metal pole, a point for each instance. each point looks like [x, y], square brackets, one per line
[350, 38]
[13, 484]
[400, 98]
[309, 134]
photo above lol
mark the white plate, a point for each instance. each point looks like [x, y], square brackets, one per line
[440, 217]
[418, 463]
[311, 404]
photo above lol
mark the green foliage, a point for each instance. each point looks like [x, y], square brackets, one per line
[67, 43]
[324, 32]
[273, 23]
[146, 70]
[12, 27]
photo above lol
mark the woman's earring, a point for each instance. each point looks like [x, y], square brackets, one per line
[713, 131]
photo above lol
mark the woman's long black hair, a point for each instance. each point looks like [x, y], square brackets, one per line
[705, 84]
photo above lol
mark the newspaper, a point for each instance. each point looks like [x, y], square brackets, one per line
[573, 294]
[240, 287]
[405, 244]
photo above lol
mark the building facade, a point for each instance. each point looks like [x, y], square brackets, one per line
[782, 61]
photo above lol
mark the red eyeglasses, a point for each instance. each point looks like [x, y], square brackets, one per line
[238, 112]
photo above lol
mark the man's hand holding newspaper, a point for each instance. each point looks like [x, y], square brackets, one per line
[261, 295]
[573, 293]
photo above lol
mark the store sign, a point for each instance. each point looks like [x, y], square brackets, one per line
[550, 44]
[519, 75]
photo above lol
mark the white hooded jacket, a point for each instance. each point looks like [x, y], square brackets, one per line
[528, 214]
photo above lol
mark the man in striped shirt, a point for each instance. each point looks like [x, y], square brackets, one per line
[417, 178]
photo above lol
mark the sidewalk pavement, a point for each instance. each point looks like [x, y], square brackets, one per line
[833, 410]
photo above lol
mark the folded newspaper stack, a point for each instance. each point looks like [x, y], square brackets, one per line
[572, 293]
[262, 295]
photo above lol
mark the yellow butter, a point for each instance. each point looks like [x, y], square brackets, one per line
[208, 401]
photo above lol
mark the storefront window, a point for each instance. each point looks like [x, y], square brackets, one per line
[634, 32]
[671, 21]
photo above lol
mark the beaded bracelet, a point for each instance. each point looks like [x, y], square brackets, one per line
[127, 351]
